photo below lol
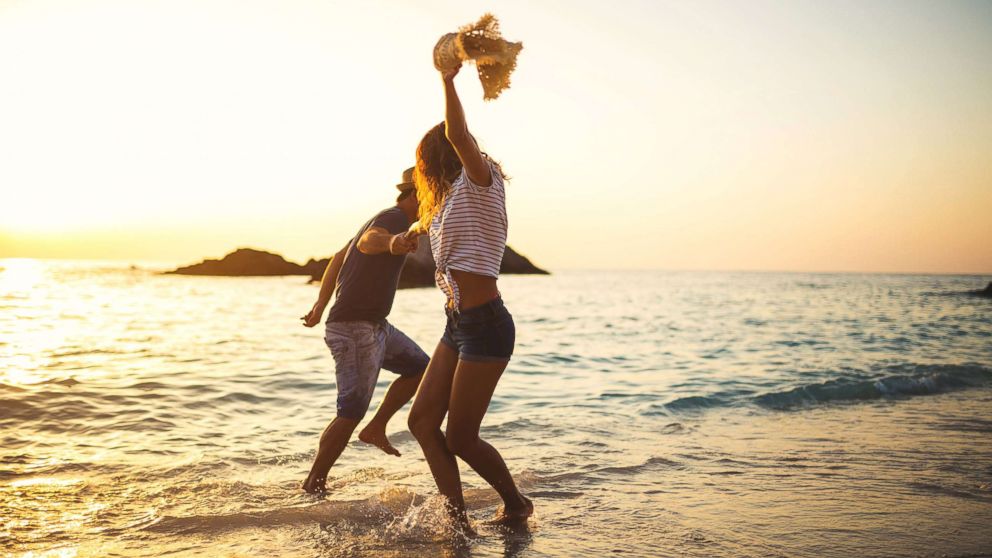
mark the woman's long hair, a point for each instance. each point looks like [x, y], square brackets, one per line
[437, 167]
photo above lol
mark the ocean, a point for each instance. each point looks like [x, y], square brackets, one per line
[646, 413]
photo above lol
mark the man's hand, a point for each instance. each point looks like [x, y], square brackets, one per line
[401, 244]
[313, 317]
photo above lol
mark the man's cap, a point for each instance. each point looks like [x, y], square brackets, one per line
[407, 183]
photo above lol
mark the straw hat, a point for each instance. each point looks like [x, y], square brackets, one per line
[449, 52]
[407, 183]
[480, 42]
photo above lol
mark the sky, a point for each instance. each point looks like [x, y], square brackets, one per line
[799, 136]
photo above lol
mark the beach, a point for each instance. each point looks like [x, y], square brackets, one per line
[646, 413]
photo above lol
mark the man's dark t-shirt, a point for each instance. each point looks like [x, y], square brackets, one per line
[367, 283]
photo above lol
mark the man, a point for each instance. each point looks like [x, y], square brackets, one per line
[364, 275]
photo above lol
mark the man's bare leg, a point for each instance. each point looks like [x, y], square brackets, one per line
[399, 392]
[332, 442]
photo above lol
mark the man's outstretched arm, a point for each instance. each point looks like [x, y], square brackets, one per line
[378, 240]
[326, 288]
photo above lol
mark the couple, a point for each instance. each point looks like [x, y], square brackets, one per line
[456, 198]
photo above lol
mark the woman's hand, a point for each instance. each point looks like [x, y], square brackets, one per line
[449, 75]
[400, 244]
[313, 317]
[416, 229]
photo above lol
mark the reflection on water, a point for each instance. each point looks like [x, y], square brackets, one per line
[647, 414]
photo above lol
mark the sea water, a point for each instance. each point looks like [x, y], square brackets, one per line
[645, 413]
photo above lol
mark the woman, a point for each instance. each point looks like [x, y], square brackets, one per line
[462, 209]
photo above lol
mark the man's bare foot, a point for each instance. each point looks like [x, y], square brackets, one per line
[508, 516]
[373, 434]
[315, 486]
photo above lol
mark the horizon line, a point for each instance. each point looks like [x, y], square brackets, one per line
[153, 261]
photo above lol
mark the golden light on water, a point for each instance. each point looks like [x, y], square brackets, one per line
[70, 552]
[30, 356]
[44, 482]
[17, 278]
[17, 373]
[18, 275]
[54, 500]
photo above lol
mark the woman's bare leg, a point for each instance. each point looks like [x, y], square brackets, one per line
[471, 390]
[429, 407]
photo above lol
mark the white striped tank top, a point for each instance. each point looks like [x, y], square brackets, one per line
[469, 231]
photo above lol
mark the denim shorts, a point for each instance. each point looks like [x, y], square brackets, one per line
[482, 333]
[360, 349]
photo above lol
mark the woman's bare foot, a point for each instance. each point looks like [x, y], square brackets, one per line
[507, 515]
[465, 529]
[461, 524]
[376, 435]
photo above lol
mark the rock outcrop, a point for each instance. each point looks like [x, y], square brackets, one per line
[315, 268]
[418, 271]
[419, 268]
[244, 262]
[987, 293]
[516, 263]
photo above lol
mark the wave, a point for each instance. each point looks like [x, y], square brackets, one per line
[930, 380]
[909, 381]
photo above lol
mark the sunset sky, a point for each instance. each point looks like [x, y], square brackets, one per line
[827, 136]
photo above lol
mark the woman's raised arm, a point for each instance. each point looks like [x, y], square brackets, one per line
[456, 130]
